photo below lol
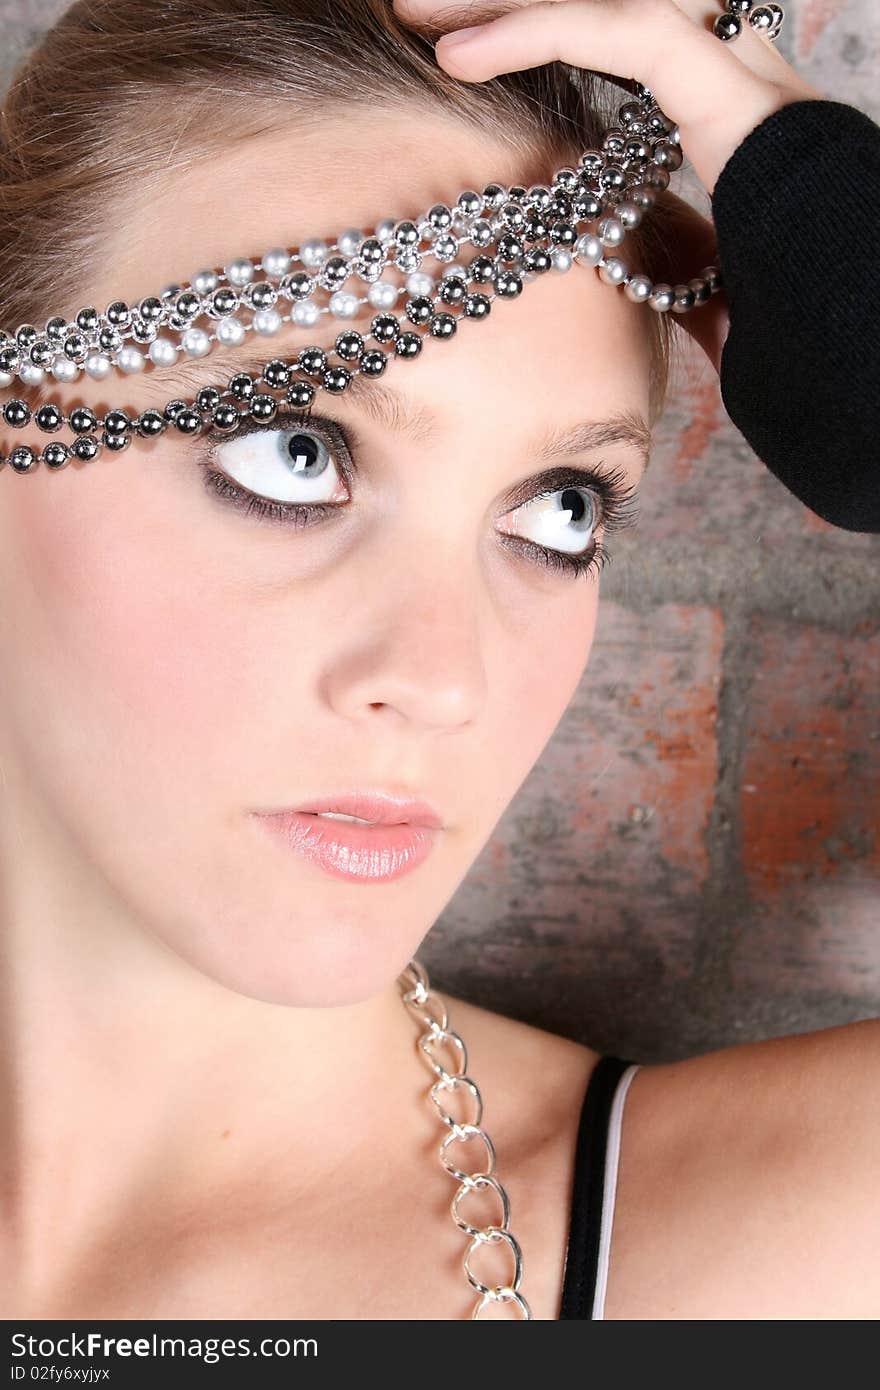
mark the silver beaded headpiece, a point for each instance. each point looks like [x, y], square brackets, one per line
[488, 245]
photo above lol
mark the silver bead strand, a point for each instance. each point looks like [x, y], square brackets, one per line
[611, 189]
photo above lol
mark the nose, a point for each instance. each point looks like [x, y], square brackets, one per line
[418, 653]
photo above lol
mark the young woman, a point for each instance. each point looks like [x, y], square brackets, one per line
[214, 1107]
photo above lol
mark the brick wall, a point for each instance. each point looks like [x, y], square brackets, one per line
[695, 860]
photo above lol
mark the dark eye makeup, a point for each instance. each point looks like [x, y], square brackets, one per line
[612, 495]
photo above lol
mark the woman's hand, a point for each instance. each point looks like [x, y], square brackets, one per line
[716, 92]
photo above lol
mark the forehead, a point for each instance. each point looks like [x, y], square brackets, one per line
[567, 338]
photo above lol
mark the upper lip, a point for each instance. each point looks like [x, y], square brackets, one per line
[381, 807]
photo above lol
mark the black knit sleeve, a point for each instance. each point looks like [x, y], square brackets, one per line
[797, 217]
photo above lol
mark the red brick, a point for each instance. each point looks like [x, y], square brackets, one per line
[605, 847]
[810, 804]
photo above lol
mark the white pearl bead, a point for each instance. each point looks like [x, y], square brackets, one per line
[313, 252]
[638, 289]
[162, 352]
[230, 331]
[349, 240]
[130, 360]
[562, 259]
[266, 321]
[611, 231]
[196, 343]
[630, 214]
[31, 374]
[344, 305]
[385, 229]
[305, 313]
[240, 271]
[98, 366]
[204, 281]
[453, 269]
[276, 262]
[588, 249]
[420, 283]
[382, 294]
[613, 271]
[6, 379]
[64, 370]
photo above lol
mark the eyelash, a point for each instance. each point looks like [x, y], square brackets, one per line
[615, 492]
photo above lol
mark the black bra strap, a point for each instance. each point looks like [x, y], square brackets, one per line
[582, 1255]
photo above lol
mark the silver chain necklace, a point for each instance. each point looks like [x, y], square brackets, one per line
[427, 1006]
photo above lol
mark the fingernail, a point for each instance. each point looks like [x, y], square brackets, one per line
[462, 35]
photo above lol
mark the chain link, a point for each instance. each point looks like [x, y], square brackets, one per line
[430, 1011]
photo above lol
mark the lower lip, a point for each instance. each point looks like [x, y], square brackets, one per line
[357, 853]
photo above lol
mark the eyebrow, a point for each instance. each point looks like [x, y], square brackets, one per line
[398, 414]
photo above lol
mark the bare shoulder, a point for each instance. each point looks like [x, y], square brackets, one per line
[521, 1061]
[747, 1183]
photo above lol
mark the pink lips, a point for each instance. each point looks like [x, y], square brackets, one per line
[402, 837]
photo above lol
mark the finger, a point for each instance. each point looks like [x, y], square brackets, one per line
[685, 67]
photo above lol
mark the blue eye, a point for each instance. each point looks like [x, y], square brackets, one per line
[299, 474]
[564, 519]
[293, 466]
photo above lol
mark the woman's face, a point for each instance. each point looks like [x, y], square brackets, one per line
[174, 664]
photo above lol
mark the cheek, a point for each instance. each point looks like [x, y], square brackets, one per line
[128, 652]
[547, 661]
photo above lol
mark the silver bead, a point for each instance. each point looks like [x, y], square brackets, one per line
[700, 288]
[305, 313]
[240, 271]
[638, 288]
[445, 247]
[344, 305]
[588, 249]
[276, 262]
[162, 352]
[481, 233]
[130, 360]
[614, 271]
[313, 252]
[98, 366]
[712, 276]
[195, 342]
[778, 16]
[470, 203]
[562, 259]
[684, 299]
[727, 27]
[266, 322]
[382, 294]
[230, 331]
[643, 196]
[349, 240]
[761, 19]
[656, 177]
[667, 155]
[610, 231]
[661, 297]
